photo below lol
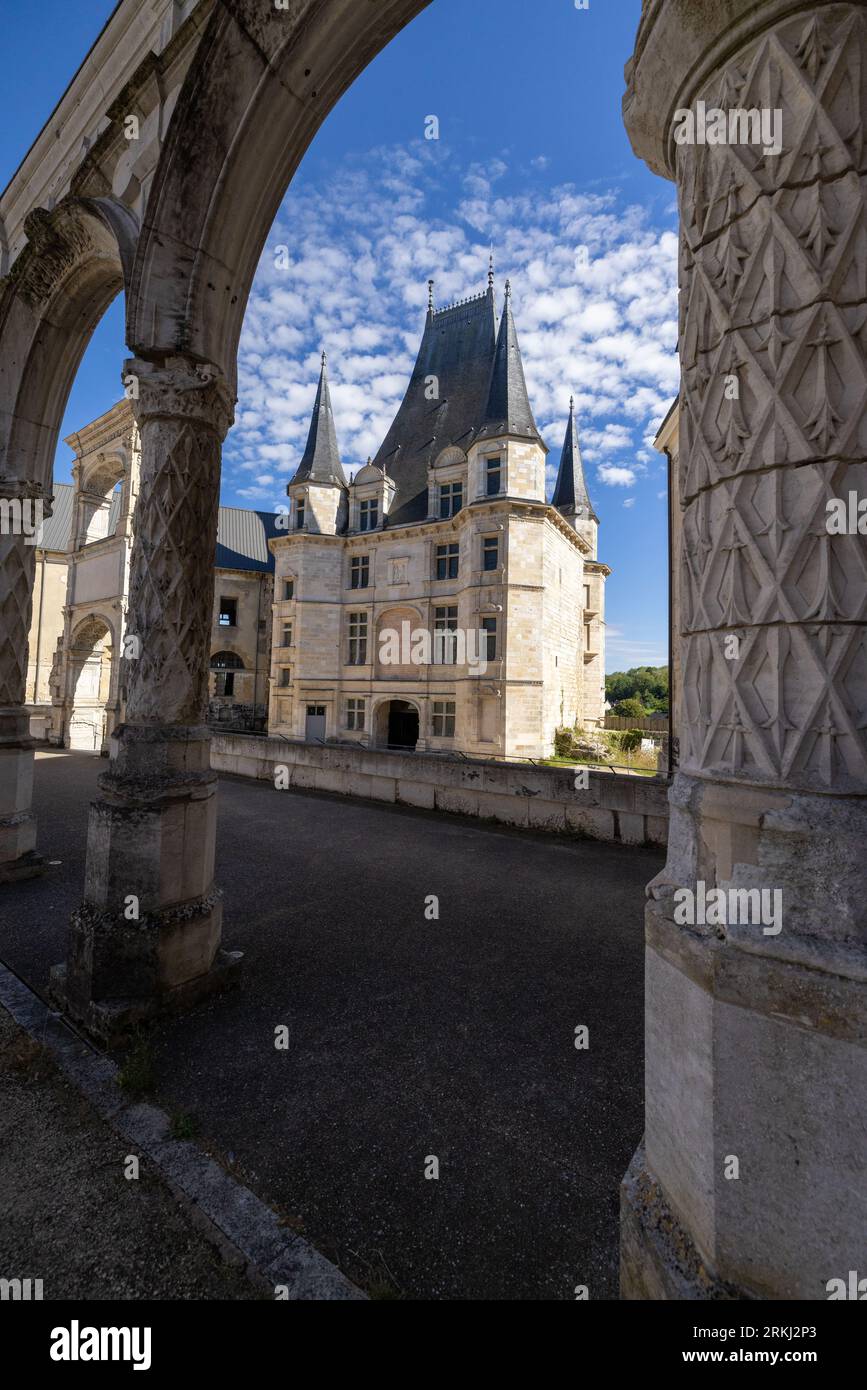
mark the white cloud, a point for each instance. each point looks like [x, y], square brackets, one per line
[356, 284]
[614, 476]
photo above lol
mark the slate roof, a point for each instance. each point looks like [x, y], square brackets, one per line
[56, 529]
[457, 348]
[242, 539]
[320, 462]
[570, 491]
[242, 535]
[507, 410]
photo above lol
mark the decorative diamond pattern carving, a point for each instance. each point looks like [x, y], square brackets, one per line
[773, 273]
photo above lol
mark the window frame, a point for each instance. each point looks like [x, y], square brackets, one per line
[358, 624]
[356, 708]
[489, 543]
[359, 566]
[451, 556]
[445, 711]
[448, 493]
[228, 603]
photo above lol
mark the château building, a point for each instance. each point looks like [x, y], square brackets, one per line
[439, 600]
[76, 675]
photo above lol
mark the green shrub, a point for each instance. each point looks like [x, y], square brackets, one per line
[564, 743]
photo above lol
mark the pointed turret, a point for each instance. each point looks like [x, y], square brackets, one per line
[320, 462]
[570, 493]
[508, 407]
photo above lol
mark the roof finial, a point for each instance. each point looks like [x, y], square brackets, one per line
[571, 404]
[508, 289]
[323, 357]
[430, 285]
[491, 269]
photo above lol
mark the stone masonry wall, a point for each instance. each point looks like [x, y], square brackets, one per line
[633, 810]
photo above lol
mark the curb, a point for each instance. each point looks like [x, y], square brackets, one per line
[245, 1230]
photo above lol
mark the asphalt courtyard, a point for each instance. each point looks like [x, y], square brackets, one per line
[410, 1037]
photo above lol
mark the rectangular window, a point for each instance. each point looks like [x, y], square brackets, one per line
[369, 515]
[224, 683]
[288, 588]
[285, 677]
[359, 572]
[299, 513]
[287, 635]
[489, 627]
[357, 639]
[447, 558]
[355, 714]
[228, 612]
[451, 498]
[444, 718]
[490, 553]
[493, 475]
[445, 635]
[586, 595]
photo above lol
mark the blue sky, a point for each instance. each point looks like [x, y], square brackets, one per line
[532, 157]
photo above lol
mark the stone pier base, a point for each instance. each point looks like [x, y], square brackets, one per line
[658, 1259]
[18, 857]
[146, 939]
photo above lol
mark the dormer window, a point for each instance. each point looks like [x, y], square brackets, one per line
[300, 509]
[369, 515]
[493, 476]
[451, 499]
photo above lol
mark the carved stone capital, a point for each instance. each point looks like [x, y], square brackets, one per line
[182, 390]
[680, 46]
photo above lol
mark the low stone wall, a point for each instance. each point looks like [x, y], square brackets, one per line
[631, 809]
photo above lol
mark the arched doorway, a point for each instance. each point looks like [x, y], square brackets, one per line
[89, 686]
[397, 725]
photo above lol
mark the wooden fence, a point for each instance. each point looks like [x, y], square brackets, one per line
[648, 724]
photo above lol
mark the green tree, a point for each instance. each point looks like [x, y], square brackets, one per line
[630, 709]
[648, 684]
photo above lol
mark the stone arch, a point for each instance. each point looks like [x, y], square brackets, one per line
[97, 484]
[262, 80]
[77, 259]
[382, 719]
[393, 621]
[450, 457]
[91, 683]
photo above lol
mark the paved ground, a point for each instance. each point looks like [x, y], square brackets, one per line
[69, 1216]
[409, 1038]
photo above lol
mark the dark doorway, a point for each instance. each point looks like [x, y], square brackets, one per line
[402, 725]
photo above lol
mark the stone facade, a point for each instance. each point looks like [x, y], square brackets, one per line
[360, 585]
[76, 684]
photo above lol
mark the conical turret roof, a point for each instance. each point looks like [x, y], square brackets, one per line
[570, 491]
[320, 462]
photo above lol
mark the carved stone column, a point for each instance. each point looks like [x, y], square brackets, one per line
[751, 1179]
[19, 501]
[147, 936]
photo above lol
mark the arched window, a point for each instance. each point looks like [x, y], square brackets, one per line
[226, 661]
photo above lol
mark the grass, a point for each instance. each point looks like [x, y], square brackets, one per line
[137, 1076]
[183, 1126]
